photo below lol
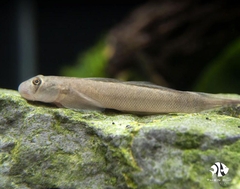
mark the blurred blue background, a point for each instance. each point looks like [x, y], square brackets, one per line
[40, 36]
[186, 45]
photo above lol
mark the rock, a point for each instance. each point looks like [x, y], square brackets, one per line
[42, 146]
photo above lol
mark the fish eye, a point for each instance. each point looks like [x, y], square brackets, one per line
[36, 81]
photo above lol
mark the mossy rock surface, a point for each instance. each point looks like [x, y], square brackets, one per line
[44, 147]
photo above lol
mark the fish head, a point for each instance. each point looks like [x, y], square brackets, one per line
[39, 88]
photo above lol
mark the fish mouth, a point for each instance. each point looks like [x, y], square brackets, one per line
[24, 92]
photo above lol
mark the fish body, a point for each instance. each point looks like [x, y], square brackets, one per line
[101, 93]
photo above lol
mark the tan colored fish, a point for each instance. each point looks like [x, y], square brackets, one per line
[101, 93]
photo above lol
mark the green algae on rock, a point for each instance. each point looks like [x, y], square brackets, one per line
[42, 146]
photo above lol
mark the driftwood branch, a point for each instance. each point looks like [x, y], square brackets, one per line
[171, 42]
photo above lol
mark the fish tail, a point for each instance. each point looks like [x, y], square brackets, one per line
[217, 102]
[231, 102]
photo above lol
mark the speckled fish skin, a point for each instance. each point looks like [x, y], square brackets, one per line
[101, 93]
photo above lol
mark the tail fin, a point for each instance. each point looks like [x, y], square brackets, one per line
[216, 101]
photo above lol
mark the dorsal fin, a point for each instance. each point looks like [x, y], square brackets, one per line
[148, 85]
[135, 83]
[104, 79]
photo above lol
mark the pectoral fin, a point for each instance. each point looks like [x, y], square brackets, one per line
[78, 100]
